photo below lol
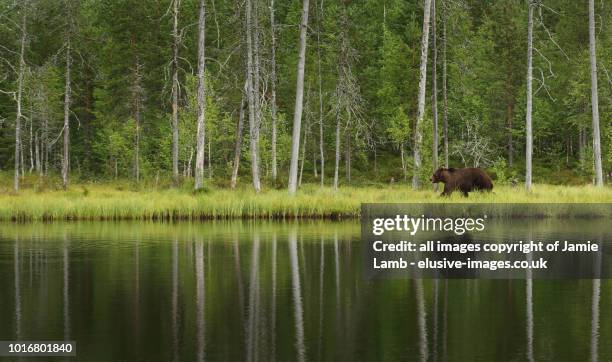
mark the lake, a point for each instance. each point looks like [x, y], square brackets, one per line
[255, 290]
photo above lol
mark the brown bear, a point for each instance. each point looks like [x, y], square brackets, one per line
[462, 179]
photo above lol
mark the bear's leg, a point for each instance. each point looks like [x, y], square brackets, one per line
[447, 190]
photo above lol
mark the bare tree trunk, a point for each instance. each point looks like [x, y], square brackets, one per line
[418, 135]
[337, 166]
[434, 88]
[18, 116]
[210, 169]
[137, 99]
[347, 159]
[403, 161]
[31, 140]
[199, 172]
[45, 142]
[303, 153]
[67, 90]
[273, 90]
[321, 145]
[253, 116]
[238, 146]
[138, 121]
[314, 160]
[444, 95]
[595, 97]
[299, 98]
[175, 91]
[37, 153]
[257, 81]
[509, 116]
[529, 134]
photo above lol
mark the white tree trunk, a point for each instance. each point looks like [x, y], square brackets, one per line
[253, 119]
[19, 94]
[238, 146]
[199, 169]
[434, 88]
[444, 95]
[321, 144]
[595, 97]
[299, 98]
[273, 90]
[175, 90]
[528, 128]
[403, 161]
[418, 136]
[337, 165]
[31, 140]
[306, 131]
[67, 90]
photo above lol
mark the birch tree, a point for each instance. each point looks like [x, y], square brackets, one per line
[175, 91]
[528, 111]
[20, 75]
[434, 88]
[273, 87]
[299, 98]
[444, 95]
[238, 144]
[595, 97]
[252, 99]
[199, 172]
[319, 78]
[418, 133]
[67, 100]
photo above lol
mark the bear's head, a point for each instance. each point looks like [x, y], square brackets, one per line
[441, 175]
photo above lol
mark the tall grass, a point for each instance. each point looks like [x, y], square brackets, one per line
[112, 202]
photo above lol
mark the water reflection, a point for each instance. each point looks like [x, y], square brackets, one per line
[175, 281]
[263, 292]
[253, 302]
[595, 310]
[297, 296]
[529, 306]
[421, 319]
[17, 273]
[199, 261]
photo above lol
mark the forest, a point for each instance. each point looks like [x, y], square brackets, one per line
[273, 94]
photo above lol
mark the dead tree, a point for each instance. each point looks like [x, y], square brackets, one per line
[252, 99]
[199, 172]
[175, 91]
[67, 100]
[273, 88]
[20, 74]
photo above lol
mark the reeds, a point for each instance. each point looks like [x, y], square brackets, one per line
[109, 202]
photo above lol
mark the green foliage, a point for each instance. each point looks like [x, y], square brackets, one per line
[369, 67]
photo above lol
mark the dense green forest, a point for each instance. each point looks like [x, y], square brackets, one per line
[102, 89]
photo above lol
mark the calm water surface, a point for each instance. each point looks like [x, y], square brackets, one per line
[274, 291]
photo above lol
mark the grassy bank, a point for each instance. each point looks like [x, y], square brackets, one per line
[113, 202]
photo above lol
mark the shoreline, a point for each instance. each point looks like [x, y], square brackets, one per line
[105, 203]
